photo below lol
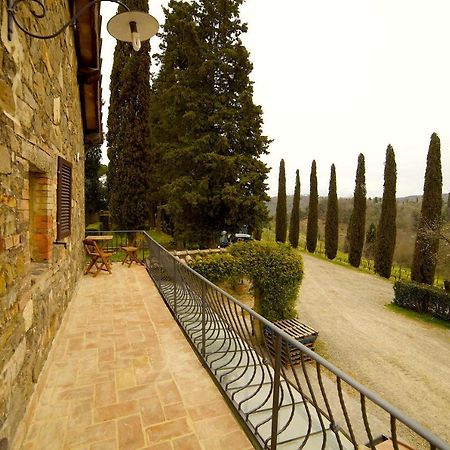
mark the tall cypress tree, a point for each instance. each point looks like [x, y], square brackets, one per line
[204, 124]
[357, 223]
[427, 244]
[387, 228]
[371, 239]
[332, 218]
[294, 228]
[313, 211]
[93, 192]
[281, 212]
[129, 179]
[448, 208]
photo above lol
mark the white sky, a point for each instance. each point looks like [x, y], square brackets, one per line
[336, 78]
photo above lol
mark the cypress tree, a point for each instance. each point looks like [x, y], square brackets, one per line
[371, 238]
[427, 243]
[205, 128]
[93, 191]
[448, 208]
[294, 228]
[357, 222]
[281, 212]
[332, 218]
[387, 228]
[313, 211]
[129, 179]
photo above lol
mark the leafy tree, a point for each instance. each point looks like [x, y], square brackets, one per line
[205, 129]
[94, 194]
[427, 245]
[387, 227]
[129, 179]
[312, 224]
[294, 227]
[357, 222]
[281, 214]
[332, 218]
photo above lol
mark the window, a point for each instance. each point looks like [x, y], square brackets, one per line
[39, 212]
[64, 198]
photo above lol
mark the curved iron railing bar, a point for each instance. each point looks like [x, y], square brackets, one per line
[260, 424]
[333, 427]
[288, 385]
[228, 313]
[306, 400]
[224, 365]
[390, 409]
[12, 13]
[366, 421]
[241, 335]
[394, 433]
[259, 362]
[344, 410]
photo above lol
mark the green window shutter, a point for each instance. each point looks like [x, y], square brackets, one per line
[64, 198]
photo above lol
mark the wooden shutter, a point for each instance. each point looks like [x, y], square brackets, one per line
[64, 198]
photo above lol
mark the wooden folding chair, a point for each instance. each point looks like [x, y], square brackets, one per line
[131, 252]
[99, 257]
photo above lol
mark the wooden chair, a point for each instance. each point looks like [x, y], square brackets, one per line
[131, 252]
[99, 257]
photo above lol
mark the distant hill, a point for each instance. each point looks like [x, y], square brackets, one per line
[304, 199]
[408, 214]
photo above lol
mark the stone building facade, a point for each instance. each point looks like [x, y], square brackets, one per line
[49, 112]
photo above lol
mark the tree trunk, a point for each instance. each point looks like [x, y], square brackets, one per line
[257, 325]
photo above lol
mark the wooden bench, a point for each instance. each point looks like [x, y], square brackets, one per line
[297, 330]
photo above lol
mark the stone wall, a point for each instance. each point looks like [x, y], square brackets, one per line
[40, 119]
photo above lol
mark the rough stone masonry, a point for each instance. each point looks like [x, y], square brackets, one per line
[40, 120]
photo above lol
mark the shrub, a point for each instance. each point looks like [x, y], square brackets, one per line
[422, 298]
[217, 267]
[275, 270]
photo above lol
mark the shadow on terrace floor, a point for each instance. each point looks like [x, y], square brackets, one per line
[122, 376]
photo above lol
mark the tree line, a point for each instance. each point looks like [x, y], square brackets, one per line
[383, 237]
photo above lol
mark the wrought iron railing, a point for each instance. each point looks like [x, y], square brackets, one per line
[313, 405]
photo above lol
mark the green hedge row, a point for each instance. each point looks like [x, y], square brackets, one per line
[422, 298]
[275, 270]
[218, 267]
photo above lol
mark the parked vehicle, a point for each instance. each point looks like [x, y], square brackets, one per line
[241, 237]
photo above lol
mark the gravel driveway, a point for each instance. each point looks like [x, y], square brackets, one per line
[405, 361]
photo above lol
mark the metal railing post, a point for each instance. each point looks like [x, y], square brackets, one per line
[203, 318]
[175, 286]
[160, 268]
[276, 392]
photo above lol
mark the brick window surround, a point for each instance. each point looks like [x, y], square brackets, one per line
[41, 219]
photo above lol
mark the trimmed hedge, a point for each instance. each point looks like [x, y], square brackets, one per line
[422, 298]
[275, 270]
[215, 268]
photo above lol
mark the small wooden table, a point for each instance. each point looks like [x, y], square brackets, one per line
[102, 239]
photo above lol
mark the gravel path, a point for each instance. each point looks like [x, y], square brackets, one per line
[405, 361]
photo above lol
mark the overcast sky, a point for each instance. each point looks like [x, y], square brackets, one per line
[337, 78]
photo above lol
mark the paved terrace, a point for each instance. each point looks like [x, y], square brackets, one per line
[121, 375]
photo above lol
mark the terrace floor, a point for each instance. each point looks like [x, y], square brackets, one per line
[121, 375]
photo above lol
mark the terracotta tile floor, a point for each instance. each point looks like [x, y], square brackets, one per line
[121, 375]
